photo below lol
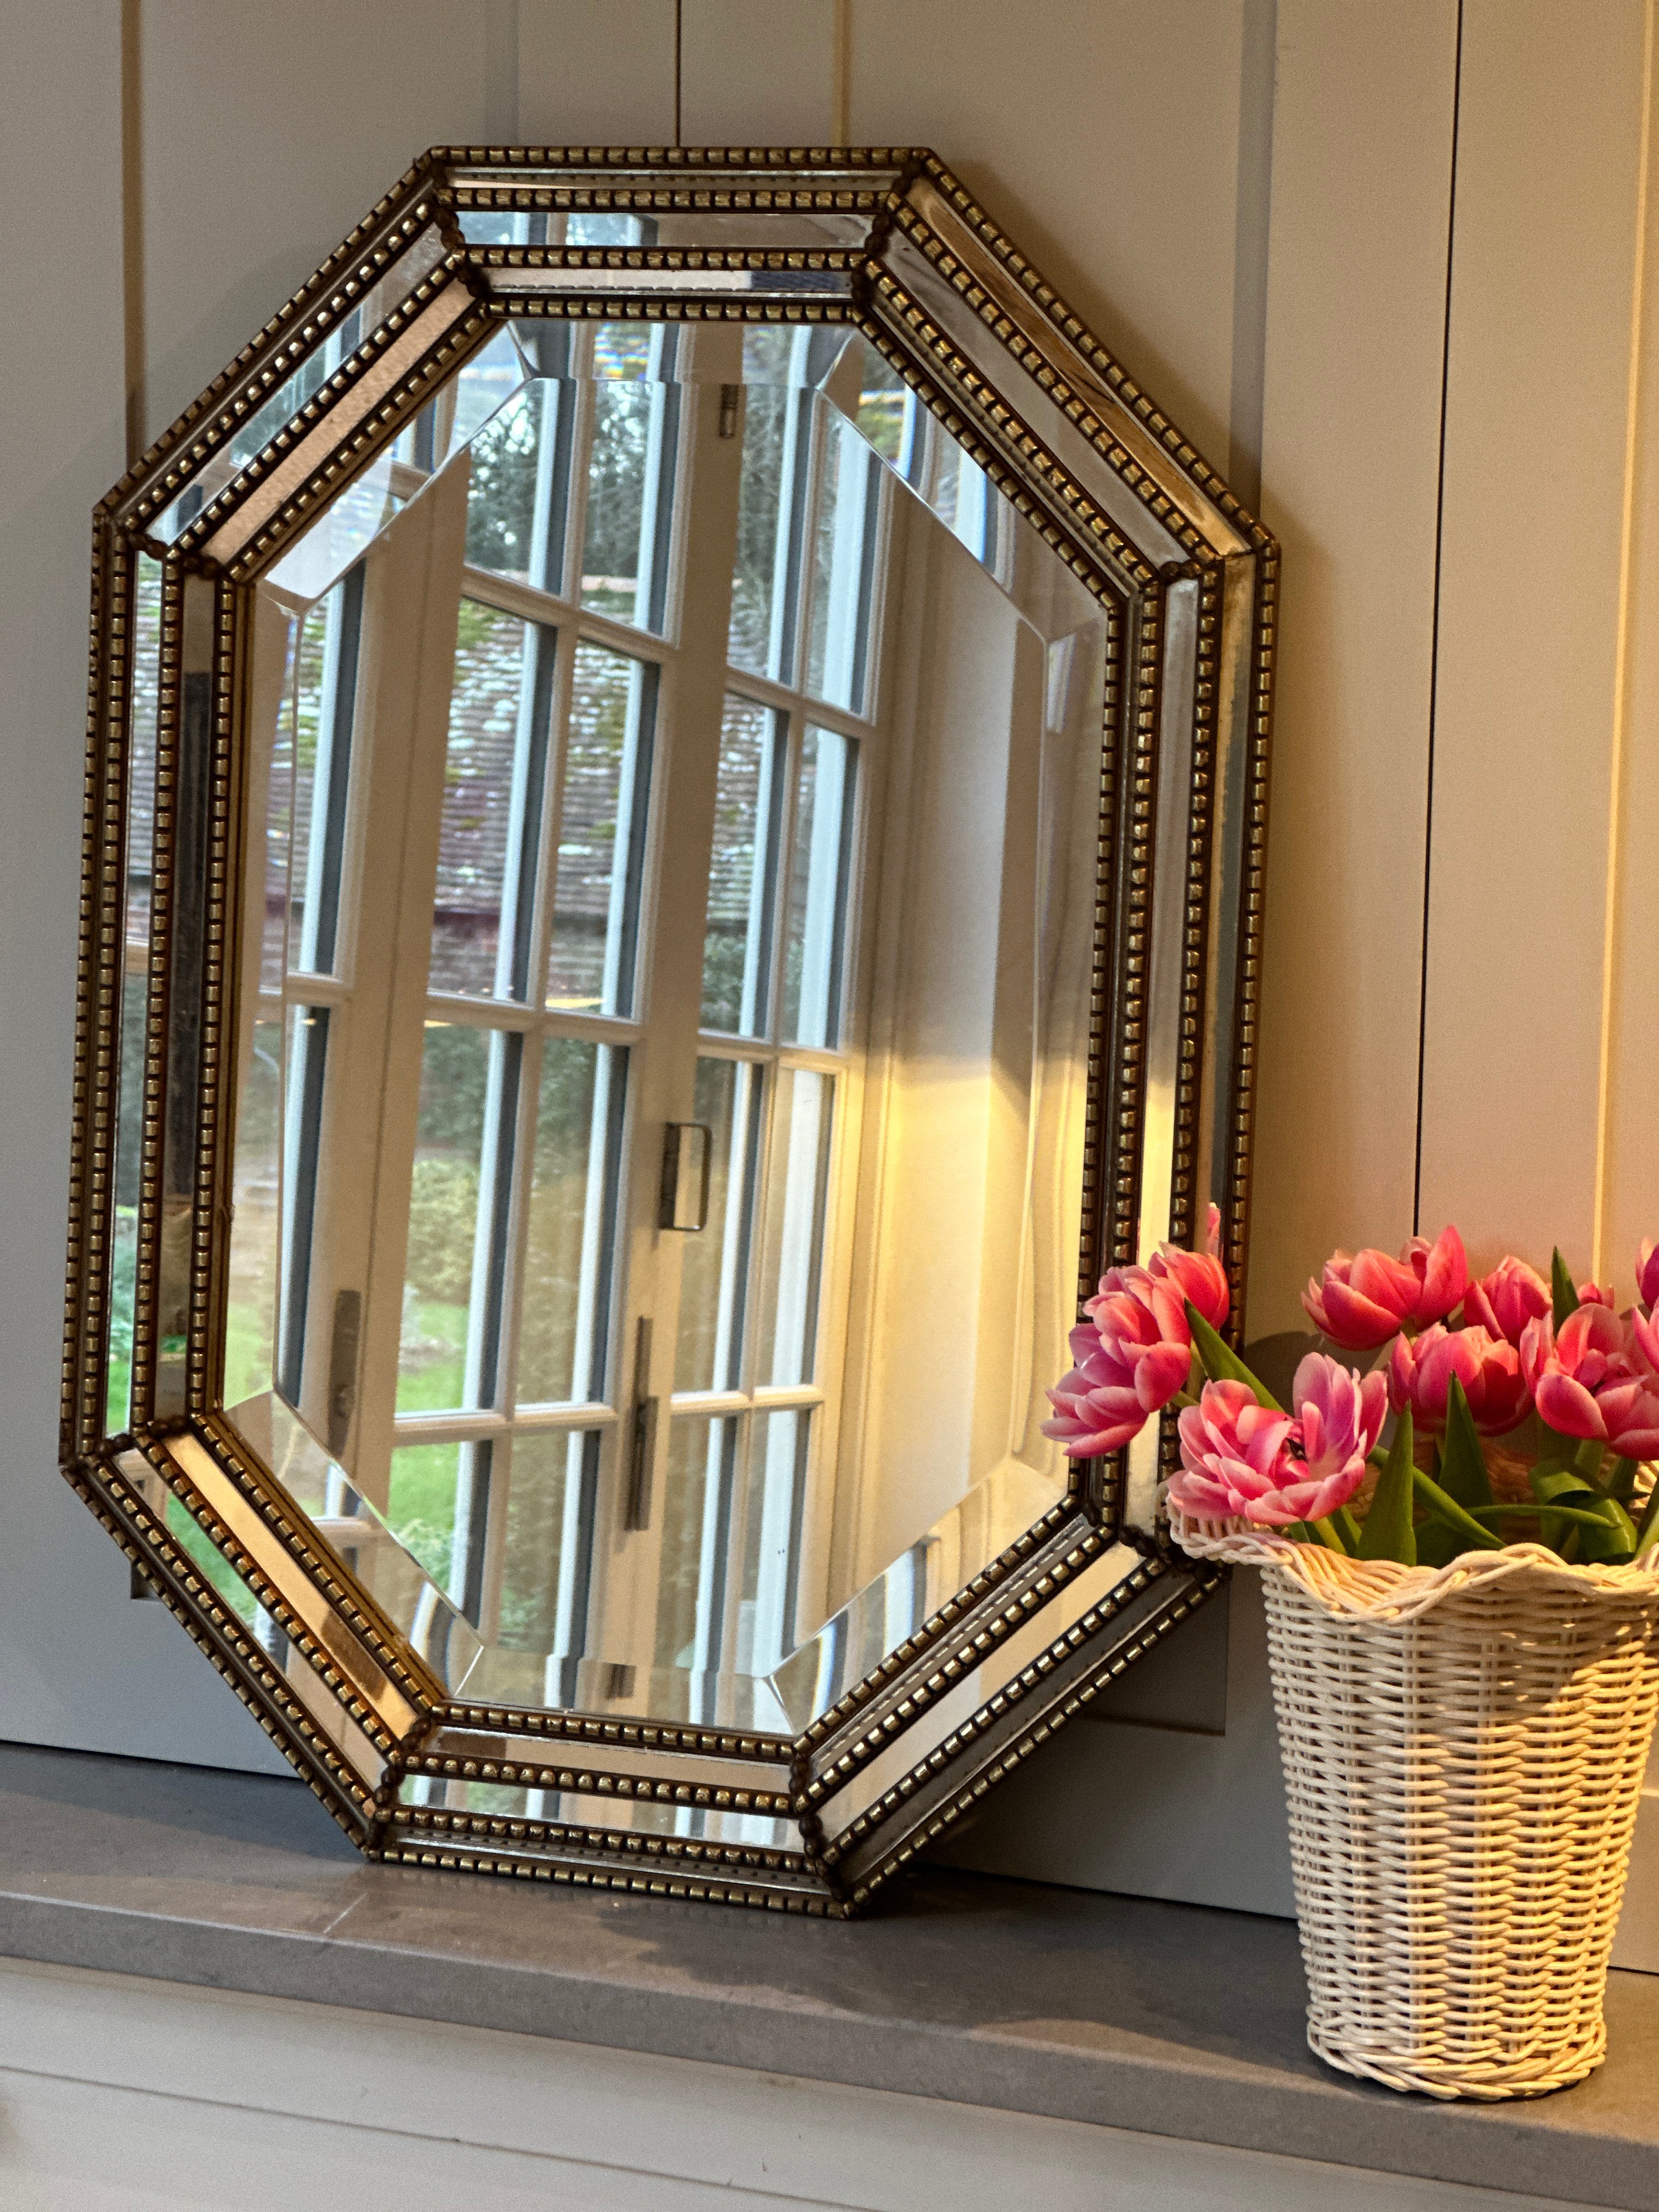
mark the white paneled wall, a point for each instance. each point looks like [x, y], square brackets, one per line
[1396, 252]
[1532, 647]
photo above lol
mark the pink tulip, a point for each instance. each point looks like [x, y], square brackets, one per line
[1138, 1314]
[1597, 1379]
[1488, 1367]
[1241, 1460]
[1135, 1351]
[1647, 1272]
[1196, 1276]
[1133, 1354]
[1232, 1457]
[1339, 1417]
[1365, 1297]
[1506, 1300]
[1593, 1294]
[1644, 1341]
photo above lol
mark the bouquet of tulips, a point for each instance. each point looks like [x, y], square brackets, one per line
[1563, 1389]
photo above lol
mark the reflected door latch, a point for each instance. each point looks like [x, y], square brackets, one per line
[642, 1435]
[688, 1152]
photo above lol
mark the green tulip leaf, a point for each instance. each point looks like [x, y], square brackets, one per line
[1621, 1483]
[1614, 1541]
[1564, 1485]
[1462, 1472]
[1445, 1508]
[1222, 1364]
[1583, 1507]
[1564, 1297]
[1388, 1533]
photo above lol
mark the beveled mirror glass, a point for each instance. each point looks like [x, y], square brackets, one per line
[675, 825]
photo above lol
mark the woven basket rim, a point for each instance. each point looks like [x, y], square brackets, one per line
[1384, 1590]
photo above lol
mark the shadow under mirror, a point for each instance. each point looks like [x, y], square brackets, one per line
[673, 797]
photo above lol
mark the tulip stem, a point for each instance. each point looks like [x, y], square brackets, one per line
[1587, 1460]
[1325, 1532]
[1647, 1529]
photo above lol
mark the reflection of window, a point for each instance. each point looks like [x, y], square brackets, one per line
[548, 1008]
[772, 1058]
[506, 1378]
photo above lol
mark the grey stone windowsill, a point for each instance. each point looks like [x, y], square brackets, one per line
[1171, 2018]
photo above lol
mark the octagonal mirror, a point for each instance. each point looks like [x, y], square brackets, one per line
[674, 842]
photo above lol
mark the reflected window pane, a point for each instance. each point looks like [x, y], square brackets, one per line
[495, 767]
[791, 1260]
[502, 492]
[545, 1560]
[886, 408]
[439, 1271]
[843, 565]
[737, 956]
[819, 870]
[251, 1302]
[629, 472]
[773, 1506]
[766, 408]
[715, 1265]
[488, 381]
[571, 1223]
[421, 1504]
[601, 834]
[279, 822]
[697, 1511]
[324, 699]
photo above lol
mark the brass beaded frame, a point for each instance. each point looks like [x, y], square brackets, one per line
[354, 1707]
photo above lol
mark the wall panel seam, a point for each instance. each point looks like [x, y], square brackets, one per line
[1434, 620]
[1624, 650]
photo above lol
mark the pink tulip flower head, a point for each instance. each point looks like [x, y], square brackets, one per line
[1504, 1302]
[1339, 1419]
[1240, 1459]
[1488, 1366]
[1364, 1297]
[1199, 1276]
[1233, 1459]
[1097, 1407]
[1596, 1379]
[1647, 1272]
[1140, 1319]
[1133, 1354]
[1644, 1342]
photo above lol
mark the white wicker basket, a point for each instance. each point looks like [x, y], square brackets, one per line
[1463, 1750]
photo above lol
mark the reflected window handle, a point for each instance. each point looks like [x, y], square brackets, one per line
[642, 1437]
[688, 1157]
